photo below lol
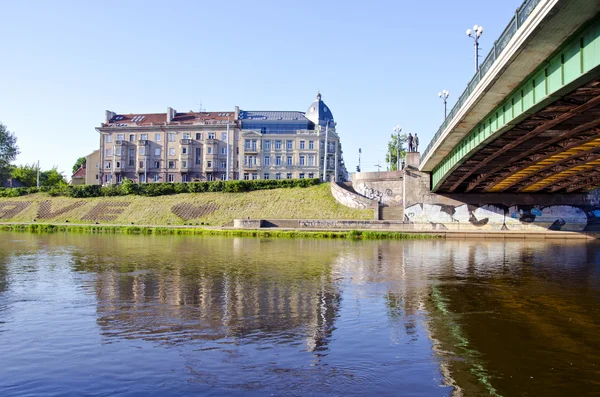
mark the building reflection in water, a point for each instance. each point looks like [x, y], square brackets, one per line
[236, 290]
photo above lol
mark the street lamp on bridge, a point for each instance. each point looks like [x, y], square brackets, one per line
[475, 34]
[444, 95]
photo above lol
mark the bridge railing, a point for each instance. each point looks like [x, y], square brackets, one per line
[521, 15]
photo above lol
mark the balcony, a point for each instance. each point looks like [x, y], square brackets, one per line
[251, 149]
[252, 166]
[142, 142]
[186, 141]
[120, 142]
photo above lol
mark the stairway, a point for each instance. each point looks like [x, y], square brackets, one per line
[395, 213]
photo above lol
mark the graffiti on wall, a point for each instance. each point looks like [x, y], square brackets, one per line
[381, 194]
[349, 199]
[500, 217]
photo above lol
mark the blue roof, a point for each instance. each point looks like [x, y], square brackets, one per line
[272, 116]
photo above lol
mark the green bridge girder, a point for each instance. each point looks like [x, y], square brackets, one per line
[577, 59]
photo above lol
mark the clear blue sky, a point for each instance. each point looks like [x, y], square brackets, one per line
[377, 64]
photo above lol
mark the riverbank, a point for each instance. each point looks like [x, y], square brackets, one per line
[214, 231]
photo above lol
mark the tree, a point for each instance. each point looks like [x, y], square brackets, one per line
[392, 151]
[79, 163]
[27, 175]
[52, 178]
[8, 152]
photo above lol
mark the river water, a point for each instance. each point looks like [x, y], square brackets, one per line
[171, 315]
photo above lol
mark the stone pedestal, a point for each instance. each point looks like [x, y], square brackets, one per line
[413, 159]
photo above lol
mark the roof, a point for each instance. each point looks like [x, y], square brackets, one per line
[189, 118]
[318, 112]
[260, 115]
[80, 173]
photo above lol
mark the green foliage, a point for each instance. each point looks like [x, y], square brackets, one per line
[391, 157]
[27, 175]
[79, 163]
[154, 189]
[8, 152]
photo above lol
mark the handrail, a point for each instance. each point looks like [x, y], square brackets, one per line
[521, 15]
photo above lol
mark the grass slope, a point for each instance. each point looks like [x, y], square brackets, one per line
[314, 202]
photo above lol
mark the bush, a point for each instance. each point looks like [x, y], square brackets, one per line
[159, 189]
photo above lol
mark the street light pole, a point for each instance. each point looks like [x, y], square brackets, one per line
[475, 34]
[397, 129]
[444, 95]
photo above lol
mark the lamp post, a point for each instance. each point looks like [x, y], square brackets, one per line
[475, 34]
[397, 130]
[444, 95]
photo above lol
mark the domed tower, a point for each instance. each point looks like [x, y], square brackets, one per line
[319, 113]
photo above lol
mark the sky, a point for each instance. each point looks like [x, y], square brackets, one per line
[377, 64]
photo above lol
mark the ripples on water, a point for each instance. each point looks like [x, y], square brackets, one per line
[138, 315]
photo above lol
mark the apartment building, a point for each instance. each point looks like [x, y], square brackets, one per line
[207, 146]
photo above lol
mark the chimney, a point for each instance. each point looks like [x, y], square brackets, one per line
[108, 115]
[170, 114]
[237, 113]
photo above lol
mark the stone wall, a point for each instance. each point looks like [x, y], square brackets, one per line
[385, 187]
[349, 199]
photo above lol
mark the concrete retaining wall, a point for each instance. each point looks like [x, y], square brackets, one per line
[349, 199]
[385, 187]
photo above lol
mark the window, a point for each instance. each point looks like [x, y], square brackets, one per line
[288, 145]
[186, 135]
[184, 150]
[156, 177]
[117, 151]
[209, 177]
[254, 145]
[144, 137]
[141, 164]
[311, 160]
[131, 137]
[267, 145]
[157, 164]
[301, 160]
[209, 150]
[171, 137]
[223, 150]
[277, 160]
[223, 164]
[198, 155]
[224, 177]
[254, 176]
[209, 164]
[157, 137]
[142, 151]
[247, 144]
[131, 157]
[119, 178]
[118, 164]
[277, 145]
[266, 176]
[108, 138]
[184, 178]
[107, 164]
[211, 135]
[171, 178]
[278, 176]
[198, 136]
[120, 137]
[157, 151]
[301, 175]
[289, 160]
[171, 151]
[301, 144]
[246, 176]
[142, 178]
[267, 160]
[107, 153]
[223, 136]
[289, 175]
[183, 164]
[171, 164]
[311, 144]
[311, 175]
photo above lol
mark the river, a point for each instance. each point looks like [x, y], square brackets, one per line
[171, 315]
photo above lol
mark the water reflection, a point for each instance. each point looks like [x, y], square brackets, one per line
[306, 317]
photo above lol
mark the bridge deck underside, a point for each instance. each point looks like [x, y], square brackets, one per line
[555, 150]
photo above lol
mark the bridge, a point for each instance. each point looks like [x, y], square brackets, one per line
[520, 150]
[529, 120]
